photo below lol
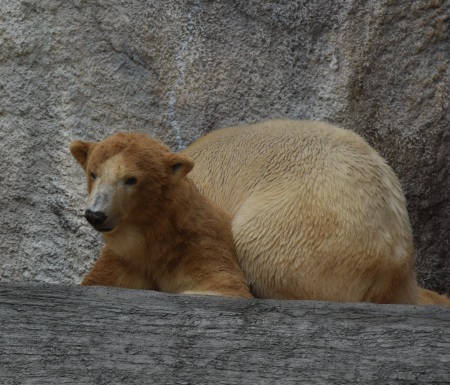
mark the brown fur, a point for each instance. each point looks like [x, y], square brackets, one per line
[428, 297]
[317, 213]
[161, 233]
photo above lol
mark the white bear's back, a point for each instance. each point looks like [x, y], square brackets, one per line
[305, 196]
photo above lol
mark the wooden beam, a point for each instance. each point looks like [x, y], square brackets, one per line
[52, 334]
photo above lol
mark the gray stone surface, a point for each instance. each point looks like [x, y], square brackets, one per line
[177, 69]
[54, 334]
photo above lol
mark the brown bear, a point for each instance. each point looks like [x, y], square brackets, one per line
[317, 213]
[160, 233]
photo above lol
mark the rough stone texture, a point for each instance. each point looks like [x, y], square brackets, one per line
[177, 69]
[53, 334]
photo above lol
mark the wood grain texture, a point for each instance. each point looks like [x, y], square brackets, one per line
[52, 334]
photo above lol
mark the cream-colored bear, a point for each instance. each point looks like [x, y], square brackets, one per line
[317, 212]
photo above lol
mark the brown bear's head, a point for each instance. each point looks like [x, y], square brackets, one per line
[130, 178]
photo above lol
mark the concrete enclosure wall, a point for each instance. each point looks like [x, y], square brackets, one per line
[177, 69]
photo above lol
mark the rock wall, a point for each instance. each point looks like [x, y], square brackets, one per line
[177, 69]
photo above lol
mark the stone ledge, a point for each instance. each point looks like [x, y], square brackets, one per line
[53, 334]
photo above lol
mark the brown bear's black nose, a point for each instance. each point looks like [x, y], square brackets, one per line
[95, 218]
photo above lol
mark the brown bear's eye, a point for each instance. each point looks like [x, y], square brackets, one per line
[131, 181]
[93, 176]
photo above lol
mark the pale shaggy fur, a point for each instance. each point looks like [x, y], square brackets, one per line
[317, 212]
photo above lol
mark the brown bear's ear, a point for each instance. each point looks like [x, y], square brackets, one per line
[80, 151]
[179, 165]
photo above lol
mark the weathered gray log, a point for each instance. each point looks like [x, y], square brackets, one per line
[52, 334]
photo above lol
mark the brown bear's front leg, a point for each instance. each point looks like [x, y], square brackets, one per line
[111, 270]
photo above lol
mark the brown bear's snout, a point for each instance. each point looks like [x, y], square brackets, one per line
[95, 218]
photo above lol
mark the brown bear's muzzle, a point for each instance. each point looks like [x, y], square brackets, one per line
[97, 219]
